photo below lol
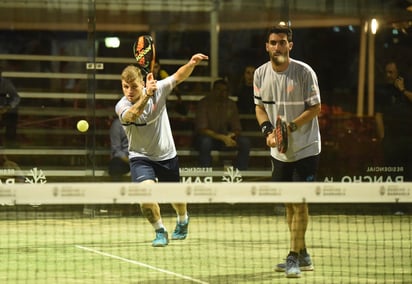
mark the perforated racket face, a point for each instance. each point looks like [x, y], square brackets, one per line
[144, 52]
[281, 135]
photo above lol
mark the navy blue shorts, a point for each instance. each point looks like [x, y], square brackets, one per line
[142, 169]
[299, 171]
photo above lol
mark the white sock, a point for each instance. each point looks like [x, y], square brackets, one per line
[158, 225]
[181, 219]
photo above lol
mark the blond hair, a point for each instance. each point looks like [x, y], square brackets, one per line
[131, 73]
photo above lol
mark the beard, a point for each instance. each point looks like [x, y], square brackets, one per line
[279, 59]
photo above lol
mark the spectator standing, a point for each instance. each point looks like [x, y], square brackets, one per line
[393, 120]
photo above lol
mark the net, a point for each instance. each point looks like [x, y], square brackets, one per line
[95, 233]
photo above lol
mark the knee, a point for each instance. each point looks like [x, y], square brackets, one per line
[204, 143]
[243, 143]
[300, 208]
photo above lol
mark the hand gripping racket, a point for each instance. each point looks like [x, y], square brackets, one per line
[281, 135]
[144, 52]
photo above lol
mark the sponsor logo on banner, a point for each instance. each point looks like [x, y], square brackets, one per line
[206, 175]
[6, 192]
[11, 176]
[330, 190]
[200, 190]
[138, 191]
[69, 191]
[373, 174]
[395, 190]
[266, 191]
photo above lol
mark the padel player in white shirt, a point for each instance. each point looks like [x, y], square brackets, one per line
[152, 152]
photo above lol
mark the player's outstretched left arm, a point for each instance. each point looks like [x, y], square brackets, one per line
[184, 71]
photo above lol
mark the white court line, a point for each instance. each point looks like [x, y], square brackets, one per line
[141, 264]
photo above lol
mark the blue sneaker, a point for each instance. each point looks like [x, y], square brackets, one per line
[180, 232]
[292, 267]
[305, 263]
[162, 238]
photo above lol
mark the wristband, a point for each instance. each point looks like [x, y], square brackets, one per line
[267, 128]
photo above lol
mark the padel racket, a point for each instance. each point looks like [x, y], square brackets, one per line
[281, 135]
[144, 52]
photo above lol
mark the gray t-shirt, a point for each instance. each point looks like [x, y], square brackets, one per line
[288, 94]
[150, 135]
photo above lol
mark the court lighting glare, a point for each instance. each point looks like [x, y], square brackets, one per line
[112, 42]
[374, 25]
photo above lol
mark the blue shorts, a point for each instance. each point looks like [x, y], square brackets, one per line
[299, 171]
[142, 169]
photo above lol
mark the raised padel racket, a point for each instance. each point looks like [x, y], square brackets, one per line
[145, 54]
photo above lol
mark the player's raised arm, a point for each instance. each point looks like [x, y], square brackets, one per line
[184, 71]
[137, 109]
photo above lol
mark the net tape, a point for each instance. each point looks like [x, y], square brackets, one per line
[245, 192]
